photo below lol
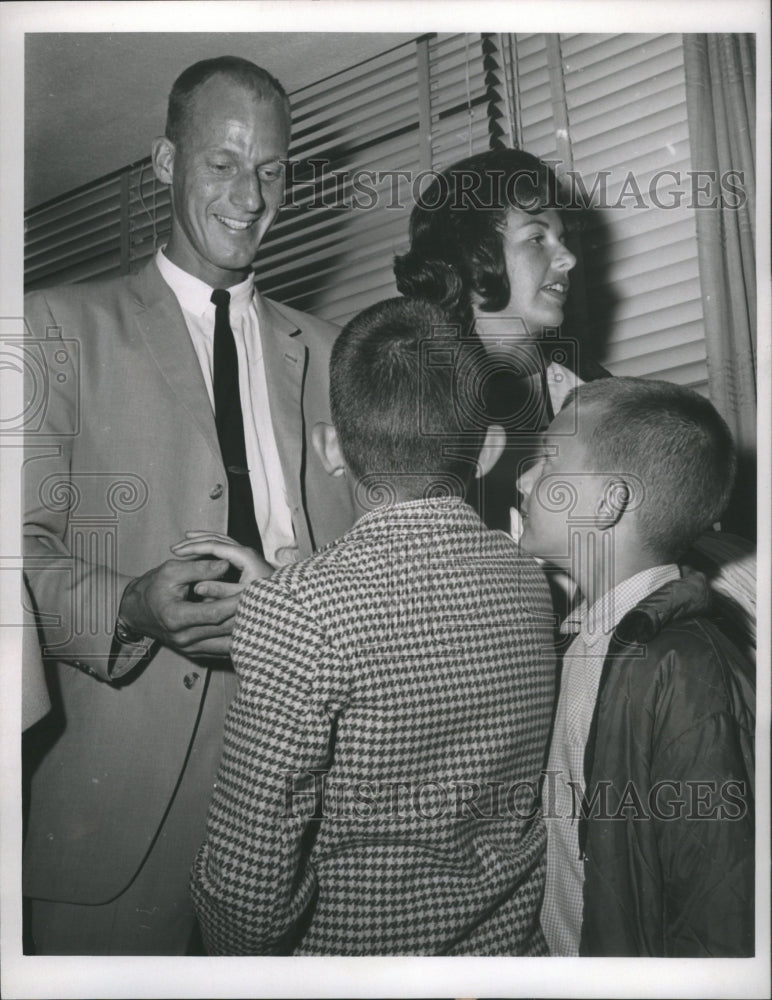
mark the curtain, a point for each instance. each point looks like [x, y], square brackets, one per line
[720, 93]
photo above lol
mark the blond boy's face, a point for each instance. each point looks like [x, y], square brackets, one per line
[561, 493]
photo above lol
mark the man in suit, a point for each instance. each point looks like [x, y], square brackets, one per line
[131, 454]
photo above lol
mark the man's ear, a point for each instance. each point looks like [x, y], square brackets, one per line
[613, 503]
[163, 159]
[325, 441]
[490, 453]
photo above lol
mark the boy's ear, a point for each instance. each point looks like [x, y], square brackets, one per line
[493, 445]
[325, 441]
[163, 159]
[613, 503]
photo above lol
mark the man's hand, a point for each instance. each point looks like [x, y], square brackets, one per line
[156, 605]
[250, 565]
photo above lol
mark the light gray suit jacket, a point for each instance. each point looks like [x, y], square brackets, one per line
[122, 458]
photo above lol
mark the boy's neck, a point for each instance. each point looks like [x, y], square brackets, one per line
[609, 572]
[390, 491]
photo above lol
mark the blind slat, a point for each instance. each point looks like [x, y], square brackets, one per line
[626, 107]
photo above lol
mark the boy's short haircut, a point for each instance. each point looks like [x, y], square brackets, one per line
[406, 386]
[675, 442]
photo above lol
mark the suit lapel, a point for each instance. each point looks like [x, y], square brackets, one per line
[162, 326]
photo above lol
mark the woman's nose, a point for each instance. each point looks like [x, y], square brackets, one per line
[564, 259]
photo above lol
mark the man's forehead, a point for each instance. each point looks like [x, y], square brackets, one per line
[221, 97]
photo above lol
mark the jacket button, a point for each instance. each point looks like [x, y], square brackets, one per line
[216, 492]
[189, 680]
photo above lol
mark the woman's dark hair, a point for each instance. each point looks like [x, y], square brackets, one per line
[456, 246]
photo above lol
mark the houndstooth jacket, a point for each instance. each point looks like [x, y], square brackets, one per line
[377, 791]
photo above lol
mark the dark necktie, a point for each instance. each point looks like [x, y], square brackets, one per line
[230, 427]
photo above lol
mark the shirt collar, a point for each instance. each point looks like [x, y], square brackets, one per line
[195, 295]
[609, 610]
[560, 381]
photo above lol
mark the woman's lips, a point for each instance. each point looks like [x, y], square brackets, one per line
[557, 289]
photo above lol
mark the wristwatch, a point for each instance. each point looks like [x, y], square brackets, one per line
[127, 635]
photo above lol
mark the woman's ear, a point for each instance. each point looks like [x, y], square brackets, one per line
[325, 441]
[490, 453]
[613, 503]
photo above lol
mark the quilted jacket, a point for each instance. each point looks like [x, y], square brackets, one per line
[668, 840]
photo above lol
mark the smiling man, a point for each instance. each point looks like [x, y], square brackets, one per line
[223, 153]
[191, 408]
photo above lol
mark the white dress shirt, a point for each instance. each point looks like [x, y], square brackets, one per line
[562, 909]
[272, 511]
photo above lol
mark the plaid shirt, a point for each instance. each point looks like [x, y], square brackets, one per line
[380, 772]
[561, 916]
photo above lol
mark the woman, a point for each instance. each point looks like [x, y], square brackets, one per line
[487, 238]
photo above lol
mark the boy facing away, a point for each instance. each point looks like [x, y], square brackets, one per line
[648, 794]
[379, 783]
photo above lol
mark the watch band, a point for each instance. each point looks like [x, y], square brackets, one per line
[127, 635]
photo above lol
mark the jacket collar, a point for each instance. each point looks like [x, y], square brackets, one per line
[415, 513]
[683, 598]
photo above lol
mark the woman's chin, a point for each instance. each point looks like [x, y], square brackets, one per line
[551, 321]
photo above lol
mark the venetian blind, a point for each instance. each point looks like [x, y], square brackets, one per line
[608, 107]
[78, 236]
[613, 109]
[362, 141]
